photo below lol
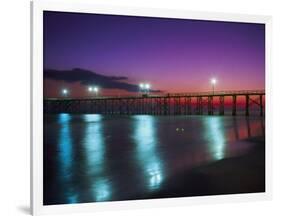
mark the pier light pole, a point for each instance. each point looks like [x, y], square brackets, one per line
[141, 85]
[96, 90]
[213, 82]
[90, 89]
[64, 92]
[147, 87]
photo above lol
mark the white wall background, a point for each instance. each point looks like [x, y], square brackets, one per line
[14, 105]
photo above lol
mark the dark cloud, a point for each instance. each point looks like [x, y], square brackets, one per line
[86, 77]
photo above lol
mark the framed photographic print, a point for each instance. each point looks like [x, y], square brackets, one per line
[139, 107]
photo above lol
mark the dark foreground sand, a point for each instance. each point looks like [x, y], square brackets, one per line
[243, 174]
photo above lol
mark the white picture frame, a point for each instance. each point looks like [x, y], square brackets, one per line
[37, 8]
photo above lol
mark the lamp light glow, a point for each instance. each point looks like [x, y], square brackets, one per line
[96, 89]
[213, 81]
[64, 91]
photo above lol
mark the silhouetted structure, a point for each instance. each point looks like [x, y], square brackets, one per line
[168, 104]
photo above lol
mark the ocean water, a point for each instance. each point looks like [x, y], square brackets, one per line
[95, 158]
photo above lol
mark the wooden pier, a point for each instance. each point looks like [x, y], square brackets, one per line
[197, 103]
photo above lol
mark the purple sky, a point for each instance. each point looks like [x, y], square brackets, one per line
[173, 55]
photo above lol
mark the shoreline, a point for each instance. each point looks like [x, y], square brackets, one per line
[241, 174]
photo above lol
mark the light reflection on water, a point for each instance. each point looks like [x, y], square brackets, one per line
[146, 149]
[66, 155]
[215, 136]
[142, 151]
[95, 162]
[94, 144]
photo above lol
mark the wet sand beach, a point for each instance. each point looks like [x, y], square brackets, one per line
[242, 174]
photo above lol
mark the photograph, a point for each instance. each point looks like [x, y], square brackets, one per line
[142, 107]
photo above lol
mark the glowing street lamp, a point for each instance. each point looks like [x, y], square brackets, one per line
[147, 87]
[213, 82]
[144, 87]
[141, 85]
[96, 90]
[90, 89]
[64, 92]
[93, 89]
